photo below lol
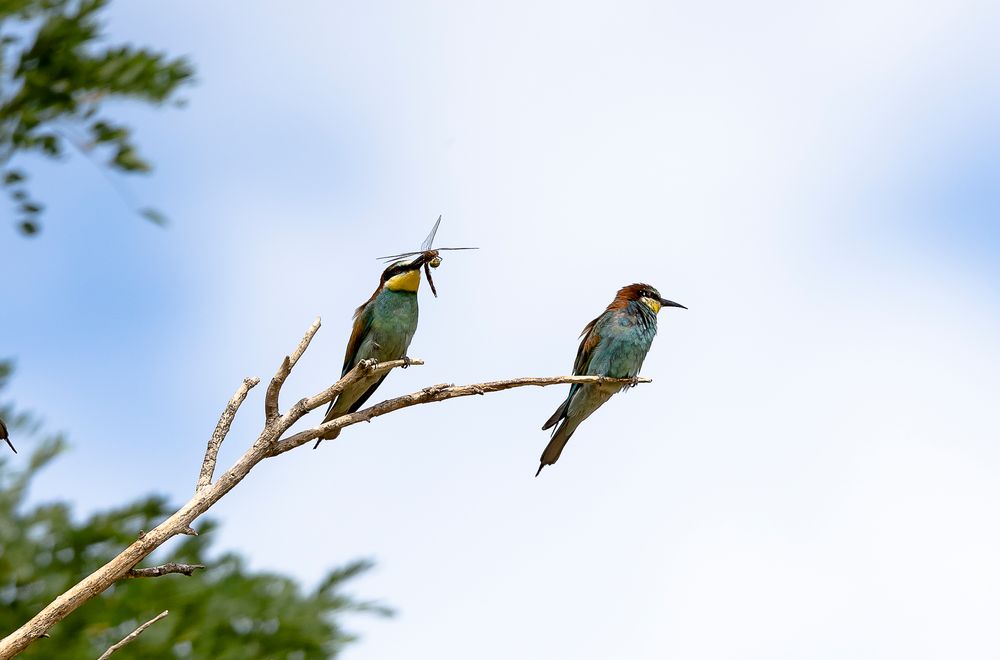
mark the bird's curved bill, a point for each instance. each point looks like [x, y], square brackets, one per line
[671, 303]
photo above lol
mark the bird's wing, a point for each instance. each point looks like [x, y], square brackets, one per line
[591, 337]
[362, 324]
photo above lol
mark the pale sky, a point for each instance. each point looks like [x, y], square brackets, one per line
[812, 473]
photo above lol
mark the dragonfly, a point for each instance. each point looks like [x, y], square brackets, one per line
[427, 256]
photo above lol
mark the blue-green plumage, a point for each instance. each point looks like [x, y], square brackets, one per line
[389, 322]
[383, 329]
[614, 345]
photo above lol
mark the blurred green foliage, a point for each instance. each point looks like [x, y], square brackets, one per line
[56, 78]
[225, 611]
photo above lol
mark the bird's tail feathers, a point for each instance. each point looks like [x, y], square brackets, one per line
[332, 435]
[555, 446]
[331, 413]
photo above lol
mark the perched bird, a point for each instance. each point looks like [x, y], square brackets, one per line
[385, 325]
[383, 329]
[5, 436]
[614, 345]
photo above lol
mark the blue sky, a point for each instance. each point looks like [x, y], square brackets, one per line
[812, 472]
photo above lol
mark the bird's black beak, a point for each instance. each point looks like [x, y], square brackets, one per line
[671, 303]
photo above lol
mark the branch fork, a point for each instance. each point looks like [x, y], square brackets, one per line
[269, 443]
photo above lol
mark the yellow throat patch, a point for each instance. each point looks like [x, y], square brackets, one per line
[408, 281]
[652, 304]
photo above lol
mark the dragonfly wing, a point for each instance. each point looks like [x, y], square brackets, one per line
[429, 241]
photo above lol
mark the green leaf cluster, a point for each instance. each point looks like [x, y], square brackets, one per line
[56, 78]
[225, 611]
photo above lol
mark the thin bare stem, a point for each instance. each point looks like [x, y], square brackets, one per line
[274, 387]
[221, 431]
[165, 569]
[132, 635]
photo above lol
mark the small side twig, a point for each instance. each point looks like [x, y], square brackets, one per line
[271, 397]
[221, 431]
[132, 635]
[165, 569]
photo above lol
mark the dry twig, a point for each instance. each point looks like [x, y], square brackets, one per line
[221, 431]
[165, 569]
[132, 635]
[271, 398]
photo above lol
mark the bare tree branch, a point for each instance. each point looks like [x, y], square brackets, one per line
[365, 367]
[221, 431]
[267, 445]
[433, 394]
[132, 635]
[165, 569]
[271, 398]
[180, 521]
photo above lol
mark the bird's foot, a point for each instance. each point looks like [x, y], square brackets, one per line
[634, 381]
[370, 364]
[406, 361]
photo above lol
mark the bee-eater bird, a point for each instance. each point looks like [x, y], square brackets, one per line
[385, 325]
[383, 329]
[613, 345]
